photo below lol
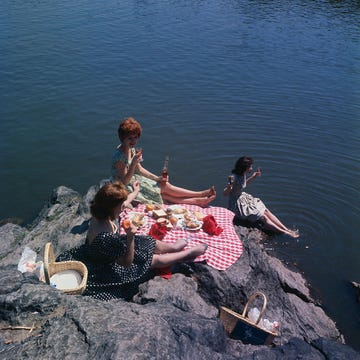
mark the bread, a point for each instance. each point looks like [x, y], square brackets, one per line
[159, 213]
[192, 224]
[165, 222]
[138, 219]
[179, 210]
[188, 217]
[162, 221]
[199, 215]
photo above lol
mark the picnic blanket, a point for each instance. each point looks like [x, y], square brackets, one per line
[223, 249]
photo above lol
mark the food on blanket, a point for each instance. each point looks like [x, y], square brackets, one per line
[173, 220]
[164, 222]
[138, 219]
[199, 215]
[159, 213]
[188, 217]
[126, 224]
[192, 224]
[179, 210]
[149, 207]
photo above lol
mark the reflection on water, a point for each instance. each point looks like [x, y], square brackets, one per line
[209, 81]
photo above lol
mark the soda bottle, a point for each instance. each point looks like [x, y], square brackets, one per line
[164, 172]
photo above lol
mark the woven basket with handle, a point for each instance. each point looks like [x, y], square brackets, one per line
[51, 267]
[239, 327]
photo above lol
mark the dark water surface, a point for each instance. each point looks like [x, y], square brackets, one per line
[210, 81]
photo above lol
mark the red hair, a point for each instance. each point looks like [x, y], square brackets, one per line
[129, 126]
[107, 199]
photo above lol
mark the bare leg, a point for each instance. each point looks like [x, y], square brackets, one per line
[200, 201]
[164, 260]
[175, 191]
[275, 220]
[163, 247]
[274, 227]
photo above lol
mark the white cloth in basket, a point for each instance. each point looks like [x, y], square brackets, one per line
[67, 279]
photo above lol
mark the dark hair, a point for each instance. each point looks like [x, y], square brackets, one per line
[242, 165]
[129, 126]
[107, 199]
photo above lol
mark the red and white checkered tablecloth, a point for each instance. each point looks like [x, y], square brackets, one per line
[223, 250]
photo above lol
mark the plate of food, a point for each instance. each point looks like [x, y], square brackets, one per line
[138, 219]
[199, 215]
[192, 224]
[176, 210]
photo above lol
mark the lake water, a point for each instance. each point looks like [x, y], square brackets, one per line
[210, 81]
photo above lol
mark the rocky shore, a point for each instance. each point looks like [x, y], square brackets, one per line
[168, 319]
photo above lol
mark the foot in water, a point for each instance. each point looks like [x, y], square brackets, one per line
[294, 233]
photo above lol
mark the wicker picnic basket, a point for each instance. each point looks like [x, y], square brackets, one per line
[239, 327]
[51, 267]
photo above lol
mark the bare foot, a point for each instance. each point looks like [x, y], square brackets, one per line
[180, 244]
[205, 201]
[196, 251]
[294, 233]
[210, 192]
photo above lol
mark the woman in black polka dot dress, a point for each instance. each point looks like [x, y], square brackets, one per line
[116, 263]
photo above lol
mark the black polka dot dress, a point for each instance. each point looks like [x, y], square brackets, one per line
[106, 279]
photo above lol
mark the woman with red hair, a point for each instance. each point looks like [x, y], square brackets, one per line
[126, 167]
[118, 263]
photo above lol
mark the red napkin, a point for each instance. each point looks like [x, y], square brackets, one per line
[210, 226]
[165, 273]
[157, 231]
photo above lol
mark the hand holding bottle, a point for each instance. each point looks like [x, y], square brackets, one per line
[164, 172]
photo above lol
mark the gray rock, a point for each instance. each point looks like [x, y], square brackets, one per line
[12, 237]
[168, 319]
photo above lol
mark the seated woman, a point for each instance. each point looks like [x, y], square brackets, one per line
[126, 167]
[116, 263]
[247, 207]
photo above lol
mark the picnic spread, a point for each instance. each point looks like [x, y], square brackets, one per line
[212, 226]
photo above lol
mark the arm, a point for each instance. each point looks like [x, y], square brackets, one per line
[229, 186]
[128, 258]
[148, 174]
[252, 177]
[227, 189]
[124, 171]
[132, 196]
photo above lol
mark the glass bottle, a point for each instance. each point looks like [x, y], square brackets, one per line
[164, 172]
